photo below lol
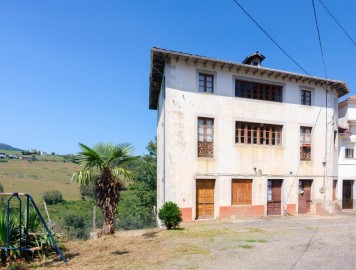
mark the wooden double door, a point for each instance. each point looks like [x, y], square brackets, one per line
[274, 197]
[205, 198]
[347, 194]
[304, 196]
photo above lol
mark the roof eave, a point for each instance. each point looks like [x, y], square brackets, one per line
[159, 57]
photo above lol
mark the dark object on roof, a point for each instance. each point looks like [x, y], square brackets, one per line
[254, 59]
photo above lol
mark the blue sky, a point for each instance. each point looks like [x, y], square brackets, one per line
[77, 71]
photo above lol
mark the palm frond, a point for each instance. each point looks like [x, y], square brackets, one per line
[118, 171]
[121, 153]
[89, 157]
[83, 177]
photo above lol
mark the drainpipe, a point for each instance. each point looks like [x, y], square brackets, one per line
[326, 146]
[164, 138]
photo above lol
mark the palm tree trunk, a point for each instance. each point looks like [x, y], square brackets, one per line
[108, 194]
[109, 223]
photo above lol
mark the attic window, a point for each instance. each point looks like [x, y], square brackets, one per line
[255, 63]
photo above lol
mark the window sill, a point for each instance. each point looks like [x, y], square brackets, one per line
[237, 205]
[206, 93]
[259, 100]
[206, 158]
[245, 145]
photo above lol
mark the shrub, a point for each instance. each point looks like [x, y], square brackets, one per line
[88, 191]
[170, 215]
[135, 210]
[52, 197]
[75, 225]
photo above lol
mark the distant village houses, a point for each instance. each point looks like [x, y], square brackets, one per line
[241, 140]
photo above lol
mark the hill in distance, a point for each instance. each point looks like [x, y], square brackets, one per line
[4, 146]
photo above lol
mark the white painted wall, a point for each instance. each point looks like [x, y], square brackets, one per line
[347, 166]
[184, 104]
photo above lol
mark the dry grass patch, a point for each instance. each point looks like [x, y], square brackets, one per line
[37, 177]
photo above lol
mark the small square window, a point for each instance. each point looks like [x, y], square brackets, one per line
[206, 83]
[306, 97]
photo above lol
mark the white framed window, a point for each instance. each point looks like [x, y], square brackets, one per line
[349, 153]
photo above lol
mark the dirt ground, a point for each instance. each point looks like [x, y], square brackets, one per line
[303, 242]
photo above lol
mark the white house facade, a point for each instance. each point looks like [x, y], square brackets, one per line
[241, 140]
[345, 186]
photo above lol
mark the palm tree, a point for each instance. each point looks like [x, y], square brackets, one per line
[102, 164]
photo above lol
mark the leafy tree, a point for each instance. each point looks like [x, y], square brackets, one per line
[135, 210]
[136, 205]
[103, 164]
[145, 170]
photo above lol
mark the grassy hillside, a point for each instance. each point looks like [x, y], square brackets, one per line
[40, 176]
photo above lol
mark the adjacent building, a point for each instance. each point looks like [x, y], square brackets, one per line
[345, 186]
[242, 140]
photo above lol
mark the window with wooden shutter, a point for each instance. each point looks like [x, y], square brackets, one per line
[258, 133]
[305, 143]
[241, 192]
[259, 91]
[205, 137]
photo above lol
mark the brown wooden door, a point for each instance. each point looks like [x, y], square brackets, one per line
[304, 196]
[241, 192]
[274, 197]
[205, 198]
[347, 196]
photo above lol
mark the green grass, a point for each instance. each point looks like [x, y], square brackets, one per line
[256, 241]
[190, 249]
[246, 246]
[37, 177]
[11, 152]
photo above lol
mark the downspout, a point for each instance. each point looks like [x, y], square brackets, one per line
[164, 138]
[326, 146]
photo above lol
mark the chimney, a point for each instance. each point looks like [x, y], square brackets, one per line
[254, 59]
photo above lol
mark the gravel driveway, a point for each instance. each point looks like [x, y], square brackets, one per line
[301, 242]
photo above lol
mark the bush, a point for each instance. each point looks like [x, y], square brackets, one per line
[170, 215]
[52, 197]
[135, 210]
[70, 216]
[88, 191]
[75, 225]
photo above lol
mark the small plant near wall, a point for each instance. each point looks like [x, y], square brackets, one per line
[170, 215]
